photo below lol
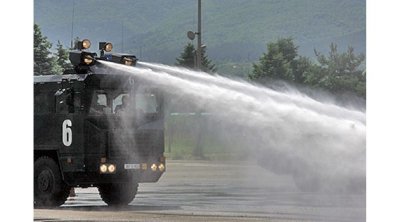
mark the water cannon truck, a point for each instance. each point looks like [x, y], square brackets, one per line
[96, 129]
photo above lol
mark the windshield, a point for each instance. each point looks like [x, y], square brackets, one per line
[117, 102]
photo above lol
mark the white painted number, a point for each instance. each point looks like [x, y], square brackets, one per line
[67, 132]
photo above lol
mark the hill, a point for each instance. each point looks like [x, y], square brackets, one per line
[233, 30]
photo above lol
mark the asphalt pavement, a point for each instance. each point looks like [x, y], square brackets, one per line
[214, 191]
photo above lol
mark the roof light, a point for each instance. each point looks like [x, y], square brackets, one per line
[86, 44]
[106, 46]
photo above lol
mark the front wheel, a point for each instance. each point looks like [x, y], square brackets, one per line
[49, 188]
[118, 194]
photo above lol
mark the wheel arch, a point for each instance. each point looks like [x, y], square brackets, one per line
[53, 154]
[55, 191]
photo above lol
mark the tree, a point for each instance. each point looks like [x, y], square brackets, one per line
[63, 57]
[187, 59]
[281, 62]
[44, 61]
[340, 72]
[206, 64]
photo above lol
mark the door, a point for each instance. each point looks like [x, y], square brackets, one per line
[69, 127]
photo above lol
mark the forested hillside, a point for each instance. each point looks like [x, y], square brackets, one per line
[233, 30]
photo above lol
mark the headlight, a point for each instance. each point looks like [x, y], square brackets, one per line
[153, 167]
[111, 168]
[107, 168]
[103, 168]
[86, 44]
[161, 167]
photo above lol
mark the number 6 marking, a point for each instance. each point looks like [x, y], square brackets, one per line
[67, 132]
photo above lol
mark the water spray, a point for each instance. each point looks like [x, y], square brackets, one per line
[290, 133]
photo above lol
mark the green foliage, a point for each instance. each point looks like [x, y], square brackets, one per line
[187, 59]
[63, 57]
[44, 61]
[281, 62]
[337, 72]
[206, 64]
[340, 72]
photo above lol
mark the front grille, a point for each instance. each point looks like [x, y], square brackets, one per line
[138, 144]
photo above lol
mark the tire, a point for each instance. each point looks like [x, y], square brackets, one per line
[49, 188]
[118, 194]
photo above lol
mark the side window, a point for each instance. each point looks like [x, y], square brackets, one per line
[102, 99]
[99, 104]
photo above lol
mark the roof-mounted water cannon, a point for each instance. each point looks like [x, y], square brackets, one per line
[125, 59]
[81, 60]
[79, 57]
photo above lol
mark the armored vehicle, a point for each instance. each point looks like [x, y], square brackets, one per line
[96, 129]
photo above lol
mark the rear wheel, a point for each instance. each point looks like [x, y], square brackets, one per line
[118, 194]
[49, 188]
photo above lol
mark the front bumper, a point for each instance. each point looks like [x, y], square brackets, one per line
[125, 171]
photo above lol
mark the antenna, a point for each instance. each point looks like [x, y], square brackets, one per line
[72, 25]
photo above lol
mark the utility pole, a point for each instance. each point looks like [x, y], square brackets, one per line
[198, 57]
[191, 35]
[198, 149]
